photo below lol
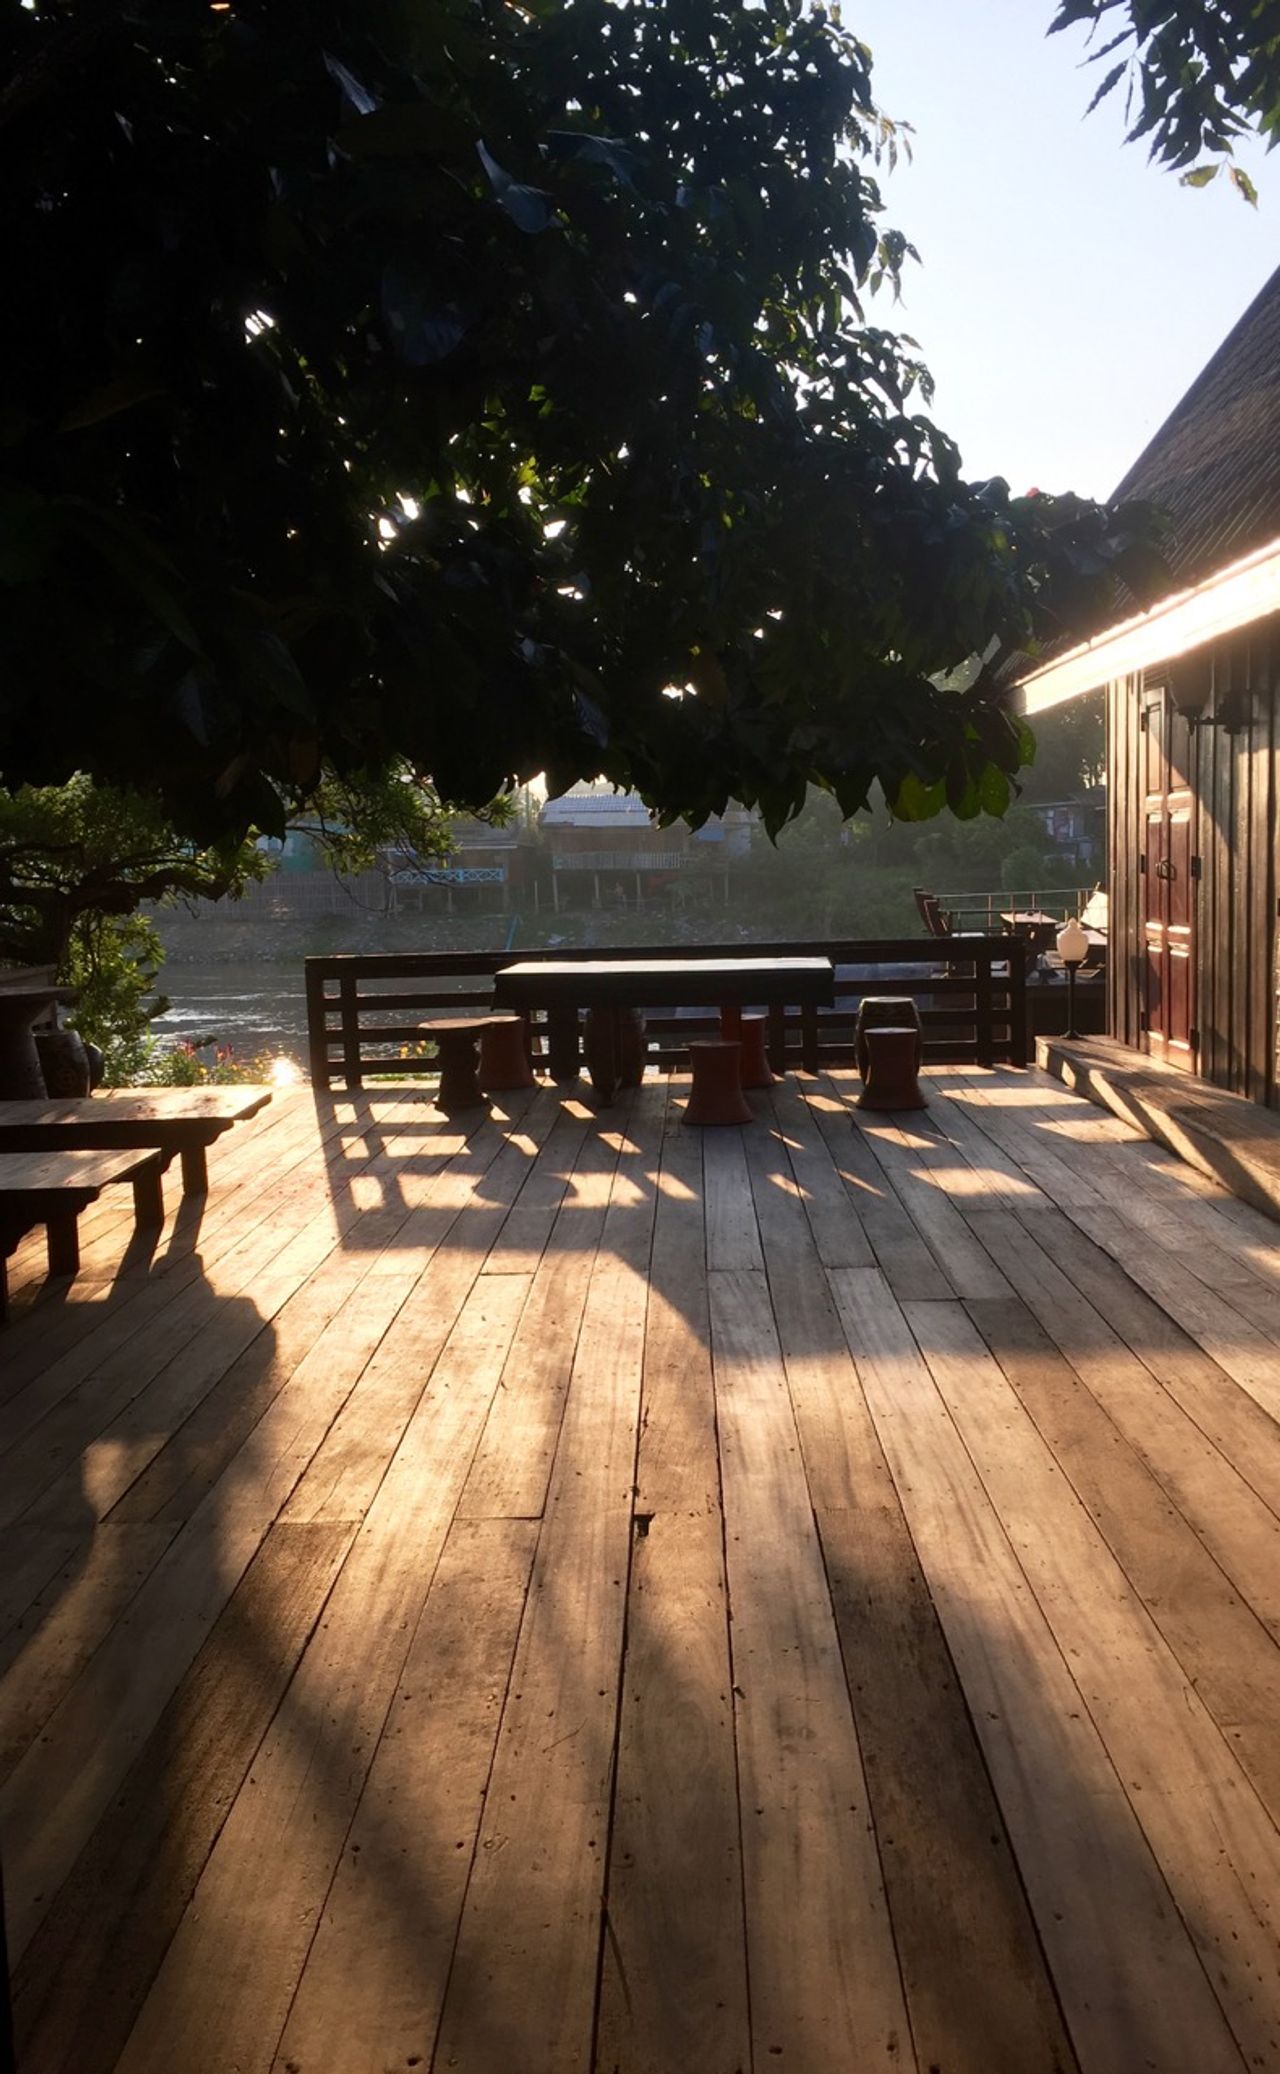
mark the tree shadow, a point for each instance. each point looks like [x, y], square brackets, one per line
[1021, 1943]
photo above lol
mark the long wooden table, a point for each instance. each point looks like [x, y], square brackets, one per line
[182, 1120]
[608, 985]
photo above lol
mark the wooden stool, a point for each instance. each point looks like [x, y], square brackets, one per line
[886, 1011]
[756, 1070]
[893, 1066]
[717, 1096]
[504, 1061]
[455, 1040]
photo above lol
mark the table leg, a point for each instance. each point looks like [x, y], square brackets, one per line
[195, 1170]
[563, 1061]
[148, 1197]
[64, 1242]
[602, 1051]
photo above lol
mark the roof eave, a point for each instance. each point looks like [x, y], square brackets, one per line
[1234, 597]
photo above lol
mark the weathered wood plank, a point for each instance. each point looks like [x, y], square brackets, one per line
[231, 1970]
[1217, 1848]
[1236, 1524]
[1131, 1983]
[732, 1240]
[837, 1231]
[65, 1626]
[1225, 1650]
[373, 1984]
[959, 1913]
[86, 1972]
[921, 1168]
[826, 1993]
[673, 1990]
[512, 1468]
[522, 1988]
[897, 1246]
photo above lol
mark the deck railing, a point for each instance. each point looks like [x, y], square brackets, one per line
[364, 1013]
[986, 910]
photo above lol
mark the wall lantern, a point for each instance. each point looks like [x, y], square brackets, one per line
[1191, 687]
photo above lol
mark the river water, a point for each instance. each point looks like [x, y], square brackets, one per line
[252, 1008]
[255, 1009]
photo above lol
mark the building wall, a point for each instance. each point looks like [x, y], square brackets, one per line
[1233, 776]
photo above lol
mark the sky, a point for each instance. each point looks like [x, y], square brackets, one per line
[1070, 291]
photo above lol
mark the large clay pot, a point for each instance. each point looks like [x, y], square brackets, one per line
[64, 1062]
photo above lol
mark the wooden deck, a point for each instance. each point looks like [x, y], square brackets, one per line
[598, 1596]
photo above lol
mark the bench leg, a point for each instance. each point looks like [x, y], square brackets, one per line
[148, 1197]
[195, 1170]
[64, 1242]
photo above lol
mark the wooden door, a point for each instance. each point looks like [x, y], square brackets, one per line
[1167, 882]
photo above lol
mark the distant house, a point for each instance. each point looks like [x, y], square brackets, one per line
[1193, 735]
[604, 846]
[484, 865]
[1077, 826]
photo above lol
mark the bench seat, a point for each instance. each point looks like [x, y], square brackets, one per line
[181, 1120]
[52, 1187]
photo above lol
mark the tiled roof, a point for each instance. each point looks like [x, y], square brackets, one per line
[1214, 465]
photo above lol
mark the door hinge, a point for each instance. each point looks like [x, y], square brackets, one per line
[1193, 1039]
[1143, 713]
[1142, 861]
[1143, 1023]
[1197, 867]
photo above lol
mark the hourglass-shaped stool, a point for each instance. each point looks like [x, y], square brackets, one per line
[717, 1096]
[504, 1059]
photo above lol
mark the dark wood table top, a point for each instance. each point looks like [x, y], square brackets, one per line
[176, 1117]
[663, 982]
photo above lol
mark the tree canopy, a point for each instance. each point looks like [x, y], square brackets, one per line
[1198, 74]
[486, 384]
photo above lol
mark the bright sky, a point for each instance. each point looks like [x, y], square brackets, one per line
[1070, 292]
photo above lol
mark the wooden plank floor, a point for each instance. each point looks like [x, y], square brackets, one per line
[576, 1595]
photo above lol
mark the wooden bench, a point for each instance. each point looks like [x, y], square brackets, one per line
[52, 1188]
[182, 1120]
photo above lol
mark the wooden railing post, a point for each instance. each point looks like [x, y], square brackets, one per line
[349, 1016]
[317, 1025]
[1019, 1038]
[809, 1037]
[985, 1031]
[777, 1037]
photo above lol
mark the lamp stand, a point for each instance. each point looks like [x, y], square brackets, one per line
[1073, 966]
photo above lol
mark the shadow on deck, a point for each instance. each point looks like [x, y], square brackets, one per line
[584, 1594]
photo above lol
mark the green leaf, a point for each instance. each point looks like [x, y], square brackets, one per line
[994, 790]
[916, 801]
[529, 208]
[1243, 185]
